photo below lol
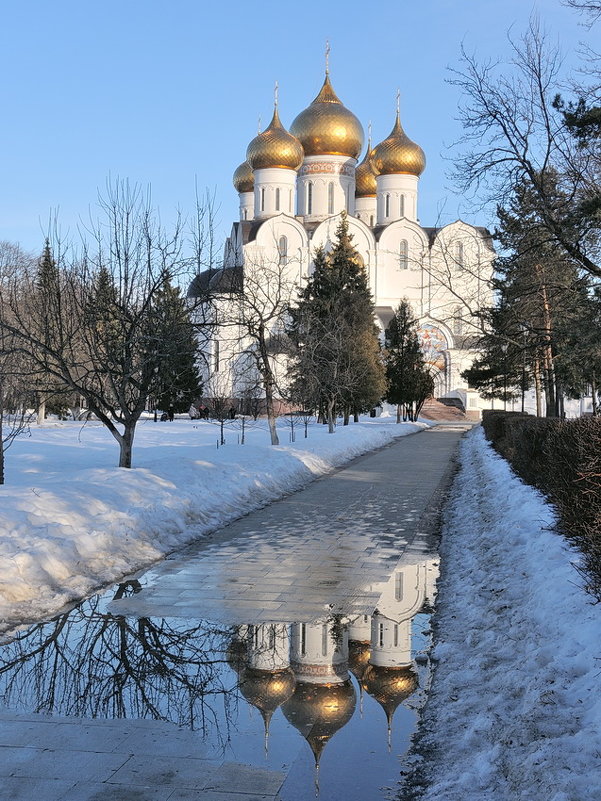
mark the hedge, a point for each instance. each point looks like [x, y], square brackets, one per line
[562, 458]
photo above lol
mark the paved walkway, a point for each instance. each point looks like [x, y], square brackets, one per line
[325, 550]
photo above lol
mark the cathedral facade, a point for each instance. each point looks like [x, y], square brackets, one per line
[293, 187]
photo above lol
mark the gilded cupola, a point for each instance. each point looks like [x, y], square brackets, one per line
[398, 154]
[365, 176]
[274, 147]
[243, 179]
[327, 127]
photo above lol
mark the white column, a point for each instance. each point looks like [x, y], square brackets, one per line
[326, 186]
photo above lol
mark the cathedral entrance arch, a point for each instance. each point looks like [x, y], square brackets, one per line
[435, 348]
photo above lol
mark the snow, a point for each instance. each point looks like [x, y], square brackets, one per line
[71, 522]
[515, 709]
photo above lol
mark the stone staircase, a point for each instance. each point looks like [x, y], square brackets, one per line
[443, 409]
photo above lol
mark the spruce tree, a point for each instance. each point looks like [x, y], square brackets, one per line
[409, 380]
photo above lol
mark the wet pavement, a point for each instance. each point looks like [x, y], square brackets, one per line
[282, 656]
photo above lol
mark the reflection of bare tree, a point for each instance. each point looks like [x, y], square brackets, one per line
[89, 664]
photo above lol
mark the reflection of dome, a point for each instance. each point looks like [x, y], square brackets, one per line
[318, 711]
[365, 177]
[266, 690]
[274, 147]
[398, 154]
[358, 657]
[243, 179]
[328, 127]
[389, 686]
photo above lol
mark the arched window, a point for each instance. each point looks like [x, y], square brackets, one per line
[216, 356]
[403, 255]
[387, 205]
[398, 586]
[245, 214]
[381, 634]
[283, 250]
[263, 199]
[324, 640]
[310, 198]
[303, 639]
[459, 253]
[402, 206]
[458, 321]
[396, 635]
[331, 198]
[277, 198]
[371, 220]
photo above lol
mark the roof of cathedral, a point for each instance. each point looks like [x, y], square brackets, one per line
[275, 147]
[243, 178]
[224, 280]
[365, 176]
[326, 126]
[398, 154]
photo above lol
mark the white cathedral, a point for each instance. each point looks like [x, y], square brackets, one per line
[293, 187]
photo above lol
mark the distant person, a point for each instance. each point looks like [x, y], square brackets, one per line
[232, 413]
[171, 415]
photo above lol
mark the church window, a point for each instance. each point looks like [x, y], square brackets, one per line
[216, 356]
[381, 634]
[459, 253]
[330, 198]
[277, 198]
[371, 220]
[283, 250]
[271, 644]
[387, 205]
[403, 254]
[324, 640]
[310, 198]
[263, 199]
[303, 639]
[402, 206]
[396, 635]
[398, 587]
[458, 321]
[245, 214]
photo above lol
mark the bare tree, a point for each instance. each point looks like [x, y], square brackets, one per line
[94, 329]
[591, 8]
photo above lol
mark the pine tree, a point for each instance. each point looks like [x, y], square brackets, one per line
[338, 362]
[409, 380]
[178, 382]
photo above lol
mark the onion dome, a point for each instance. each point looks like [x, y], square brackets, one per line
[266, 690]
[389, 686]
[318, 711]
[365, 176]
[398, 154]
[358, 657]
[243, 179]
[328, 127]
[274, 147]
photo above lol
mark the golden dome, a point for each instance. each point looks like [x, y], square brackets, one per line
[328, 127]
[318, 711]
[274, 147]
[365, 176]
[398, 154]
[358, 657]
[265, 689]
[243, 179]
[389, 685]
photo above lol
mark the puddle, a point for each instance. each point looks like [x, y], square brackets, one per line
[329, 701]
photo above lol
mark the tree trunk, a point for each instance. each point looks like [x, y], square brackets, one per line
[594, 396]
[1, 441]
[398, 412]
[268, 384]
[41, 415]
[355, 416]
[346, 418]
[126, 443]
[537, 388]
[330, 416]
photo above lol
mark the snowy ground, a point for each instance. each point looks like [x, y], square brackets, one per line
[70, 521]
[515, 708]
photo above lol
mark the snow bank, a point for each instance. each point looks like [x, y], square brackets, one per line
[70, 521]
[515, 709]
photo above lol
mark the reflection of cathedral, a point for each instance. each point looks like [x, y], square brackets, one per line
[293, 187]
[304, 667]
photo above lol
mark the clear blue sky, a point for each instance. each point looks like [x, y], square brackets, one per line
[163, 93]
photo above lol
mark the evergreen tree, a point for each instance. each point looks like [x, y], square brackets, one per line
[338, 362]
[178, 382]
[409, 380]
